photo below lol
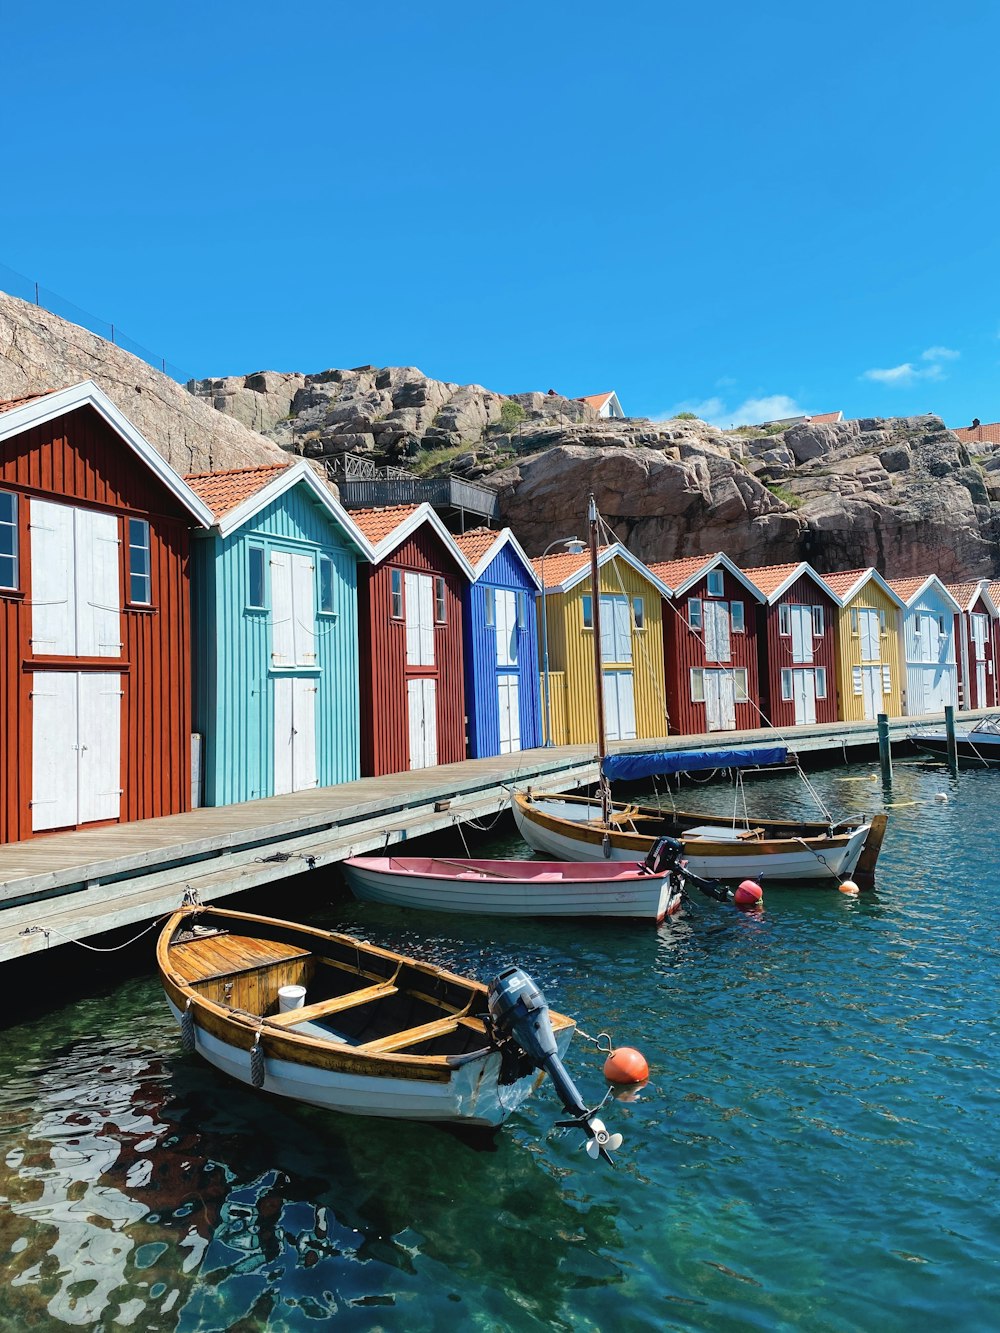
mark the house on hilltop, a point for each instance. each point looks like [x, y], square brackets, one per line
[604, 404]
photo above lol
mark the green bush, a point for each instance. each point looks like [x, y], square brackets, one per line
[686, 416]
[511, 413]
[785, 495]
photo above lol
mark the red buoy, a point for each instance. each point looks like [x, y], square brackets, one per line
[626, 1065]
[749, 894]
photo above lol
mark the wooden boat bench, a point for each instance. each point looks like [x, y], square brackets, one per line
[323, 1008]
[398, 1041]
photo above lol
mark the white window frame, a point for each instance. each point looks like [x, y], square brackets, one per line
[883, 624]
[733, 617]
[785, 621]
[522, 610]
[440, 601]
[741, 685]
[587, 606]
[821, 682]
[819, 622]
[786, 685]
[855, 630]
[715, 583]
[147, 574]
[326, 565]
[696, 619]
[13, 553]
[396, 594]
[490, 598]
[639, 612]
[697, 685]
[255, 550]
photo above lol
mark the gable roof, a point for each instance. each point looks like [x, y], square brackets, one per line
[986, 432]
[386, 529]
[597, 400]
[680, 575]
[774, 580]
[37, 409]
[9, 403]
[909, 590]
[847, 583]
[239, 494]
[481, 546]
[966, 594]
[565, 570]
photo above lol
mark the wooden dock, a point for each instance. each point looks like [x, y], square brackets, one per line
[68, 886]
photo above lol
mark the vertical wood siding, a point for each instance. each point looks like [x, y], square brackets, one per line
[481, 670]
[571, 657]
[775, 653]
[686, 650]
[385, 740]
[80, 460]
[932, 603]
[851, 706]
[234, 678]
[971, 697]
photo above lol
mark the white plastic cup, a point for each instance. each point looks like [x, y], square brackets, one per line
[291, 997]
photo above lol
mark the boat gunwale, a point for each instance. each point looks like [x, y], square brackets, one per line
[626, 875]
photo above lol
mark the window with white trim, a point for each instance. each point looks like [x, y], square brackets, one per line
[396, 594]
[819, 622]
[821, 682]
[8, 540]
[882, 626]
[522, 610]
[697, 685]
[784, 620]
[140, 579]
[588, 612]
[440, 605]
[737, 614]
[491, 607]
[639, 612]
[786, 685]
[256, 566]
[694, 612]
[740, 685]
[854, 627]
[327, 604]
[716, 583]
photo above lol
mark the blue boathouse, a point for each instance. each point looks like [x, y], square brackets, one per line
[501, 645]
[275, 621]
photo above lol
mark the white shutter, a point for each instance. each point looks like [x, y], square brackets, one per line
[100, 727]
[303, 577]
[282, 611]
[727, 701]
[856, 680]
[623, 630]
[713, 707]
[98, 603]
[722, 631]
[415, 718]
[711, 635]
[283, 735]
[626, 705]
[607, 629]
[430, 723]
[411, 611]
[802, 633]
[426, 589]
[506, 627]
[54, 754]
[886, 680]
[303, 732]
[870, 644]
[611, 721]
[53, 601]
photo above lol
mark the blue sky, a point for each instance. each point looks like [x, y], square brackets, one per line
[741, 209]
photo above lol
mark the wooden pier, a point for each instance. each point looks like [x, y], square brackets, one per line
[69, 886]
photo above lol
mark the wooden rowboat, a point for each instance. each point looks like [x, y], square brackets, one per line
[514, 888]
[379, 1034]
[573, 828]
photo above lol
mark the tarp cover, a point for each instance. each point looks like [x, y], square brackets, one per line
[632, 767]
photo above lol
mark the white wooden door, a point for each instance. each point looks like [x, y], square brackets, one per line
[804, 695]
[421, 701]
[282, 613]
[506, 627]
[54, 750]
[937, 688]
[294, 733]
[717, 639]
[418, 611]
[720, 701]
[75, 581]
[508, 698]
[284, 727]
[304, 609]
[619, 686]
[802, 633]
[871, 689]
[980, 685]
[868, 628]
[99, 696]
[75, 748]
[98, 603]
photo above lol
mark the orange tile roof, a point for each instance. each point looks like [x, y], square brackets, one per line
[9, 404]
[995, 593]
[377, 524]
[986, 432]
[561, 565]
[769, 577]
[224, 491]
[825, 418]
[843, 580]
[674, 572]
[905, 588]
[963, 593]
[475, 543]
[596, 400]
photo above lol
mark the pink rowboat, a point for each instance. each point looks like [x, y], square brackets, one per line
[514, 888]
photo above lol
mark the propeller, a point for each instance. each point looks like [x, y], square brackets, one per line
[599, 1142]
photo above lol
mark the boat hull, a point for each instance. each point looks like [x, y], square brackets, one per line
[567, 830]
[547, 894]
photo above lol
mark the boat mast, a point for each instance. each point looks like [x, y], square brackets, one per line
[595, 599]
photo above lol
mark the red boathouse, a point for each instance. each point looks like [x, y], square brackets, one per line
[796, 645]
[976, 644]
[410, 625]
[710, 645]
[95, 648]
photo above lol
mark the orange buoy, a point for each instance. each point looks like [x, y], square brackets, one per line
[626, 1065]
[749, 894]
[849, 887]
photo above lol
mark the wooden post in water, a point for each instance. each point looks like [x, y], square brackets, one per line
[884, 749]
[949, 730]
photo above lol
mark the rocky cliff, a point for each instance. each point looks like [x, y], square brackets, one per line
[902, 493]
[40, 351]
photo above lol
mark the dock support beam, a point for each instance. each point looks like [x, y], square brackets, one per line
[884, 748]
[949, 731]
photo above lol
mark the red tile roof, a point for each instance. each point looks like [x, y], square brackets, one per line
[986, 432]
[843, 580]
[561, 565]
[377, 524]
[674, 572]
[826, 418]
[905, 588]
[596, 400]
[224, 491]
[9, 404]
[475, 543]
[963, 593]
[995, 593]
[769, 577]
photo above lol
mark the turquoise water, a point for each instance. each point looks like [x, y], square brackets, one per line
[817, 1149]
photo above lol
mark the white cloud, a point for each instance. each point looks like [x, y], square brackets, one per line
[940, 354]
[902, 377]
[752, 411]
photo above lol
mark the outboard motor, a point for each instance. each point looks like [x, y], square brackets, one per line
[663, 856]
[518, 1012]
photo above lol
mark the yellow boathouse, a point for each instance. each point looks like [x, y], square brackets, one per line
[631, 618]
[870, 672]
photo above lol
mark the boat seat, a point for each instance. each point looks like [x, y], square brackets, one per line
[335, 1006]
[398, 1041]
[750, 834]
